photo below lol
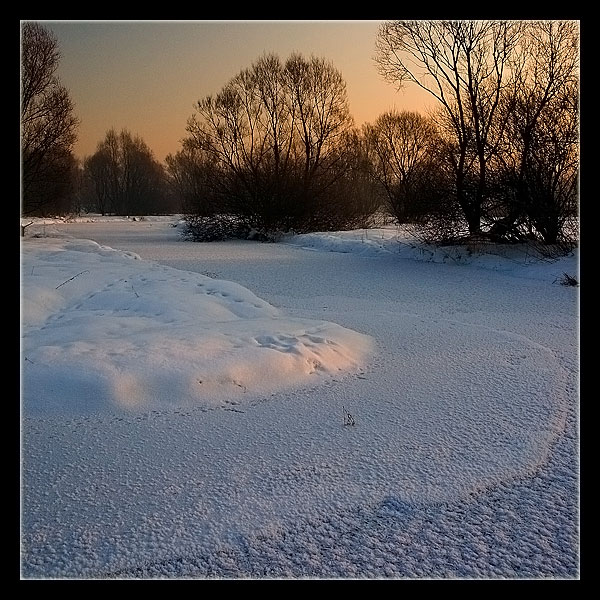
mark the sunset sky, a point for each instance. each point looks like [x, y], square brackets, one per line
[147, 76]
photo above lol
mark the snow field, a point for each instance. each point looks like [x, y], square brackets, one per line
[461, 377]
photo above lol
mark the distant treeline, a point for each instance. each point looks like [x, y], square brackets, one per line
[276, 150]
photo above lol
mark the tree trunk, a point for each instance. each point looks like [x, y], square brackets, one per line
[471, 211]
[473, 215]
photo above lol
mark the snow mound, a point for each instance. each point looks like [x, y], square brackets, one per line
[104, 331]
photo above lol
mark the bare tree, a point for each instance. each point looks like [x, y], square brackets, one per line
[48, 125]
[97, 171]
[320, 104]
[190, 172]
[324, 137]
[274, 134]
[553, 173]
[125, 177]
[538, 164]
[233, 129]
[464, 65]
[404, 149]
[356, 193]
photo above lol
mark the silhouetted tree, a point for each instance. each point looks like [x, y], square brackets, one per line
[355, 197]
[125, 177]
[537, 167]
[405, 156]
[48, 125]
[195, 183]
[275, 135]
[464, 65]
[79, 201]
[97, 176]
[321, 117]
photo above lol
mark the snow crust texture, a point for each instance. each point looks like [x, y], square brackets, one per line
[461, 376]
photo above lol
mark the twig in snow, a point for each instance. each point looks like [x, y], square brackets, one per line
[348, 418]
[132, 289]
[567, 279]
[67, 281]
[23, 228]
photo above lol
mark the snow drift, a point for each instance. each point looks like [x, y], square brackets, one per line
[105, 331]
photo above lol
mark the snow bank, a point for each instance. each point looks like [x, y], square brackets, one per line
[520, 260]
[98, 218]
[106, 331]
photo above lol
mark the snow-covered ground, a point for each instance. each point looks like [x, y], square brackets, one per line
[185, 406]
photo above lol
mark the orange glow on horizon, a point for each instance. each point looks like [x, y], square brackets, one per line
[147, 76]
